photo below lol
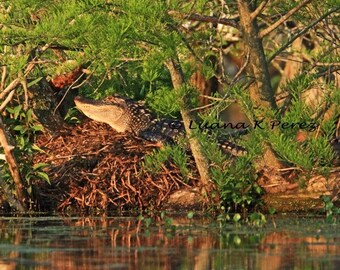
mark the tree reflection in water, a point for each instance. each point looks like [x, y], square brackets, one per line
[126, 243]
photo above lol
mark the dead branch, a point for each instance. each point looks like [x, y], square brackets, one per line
[258, 10]
[9, 88]
[68, 89]
[7, 100]
[23, 83]
[283, 19]
[203, 18]
[3, 78]
[320, 64]
[238, 74]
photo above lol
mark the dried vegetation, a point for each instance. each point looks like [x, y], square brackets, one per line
[94, 168]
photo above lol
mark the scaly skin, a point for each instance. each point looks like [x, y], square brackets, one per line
[126, 115]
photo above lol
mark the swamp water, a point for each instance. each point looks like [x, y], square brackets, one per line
[180, 243]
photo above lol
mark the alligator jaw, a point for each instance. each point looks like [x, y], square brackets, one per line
[111, 112]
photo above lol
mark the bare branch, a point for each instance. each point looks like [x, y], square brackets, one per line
[13, 165]
[202, 18]
[328, 71]
[238, 74]
[3, 77]
[258, 10]
[320, 64]
[300, 33]
[66, 92]
[10, 87]
[24, 86]
[283, 19]
[202, 107]
[127, 59]
[31, 64]
[7, 100]
[29, 68]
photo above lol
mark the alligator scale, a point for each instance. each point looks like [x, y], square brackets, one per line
[126, 115]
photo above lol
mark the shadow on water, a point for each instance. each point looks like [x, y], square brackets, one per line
[127, 243]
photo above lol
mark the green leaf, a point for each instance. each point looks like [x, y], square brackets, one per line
[18, 128]
[40, 166]
[10, 110]
[168, 221]
[147, 222]
[21, 142]
[17, 110]
[38, 128]
[29, 115]
[44, 176]
[272, 211]
[236, 217]
[190, 215]
[34, 82]
[37, 148]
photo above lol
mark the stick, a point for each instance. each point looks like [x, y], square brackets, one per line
[6, 101]
[203, 18]
[3, 78]
[283, 19]
[9, 88]
[13, 165]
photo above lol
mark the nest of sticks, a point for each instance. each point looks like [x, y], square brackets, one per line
[94, 168]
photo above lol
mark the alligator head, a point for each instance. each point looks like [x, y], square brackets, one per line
[121, 114]
[112, 111]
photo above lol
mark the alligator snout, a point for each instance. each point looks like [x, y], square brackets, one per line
[81, 100]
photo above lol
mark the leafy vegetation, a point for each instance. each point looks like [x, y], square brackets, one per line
[153, 162]
[24, 130]
[125, 46]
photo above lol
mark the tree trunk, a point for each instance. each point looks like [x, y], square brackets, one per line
[200, 159]
[14, 169]
[261, 92]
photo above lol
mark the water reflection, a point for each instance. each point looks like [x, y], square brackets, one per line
[126, 243]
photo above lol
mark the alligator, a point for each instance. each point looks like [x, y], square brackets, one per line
[126, 115]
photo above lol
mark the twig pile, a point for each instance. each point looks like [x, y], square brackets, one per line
[93, 167]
